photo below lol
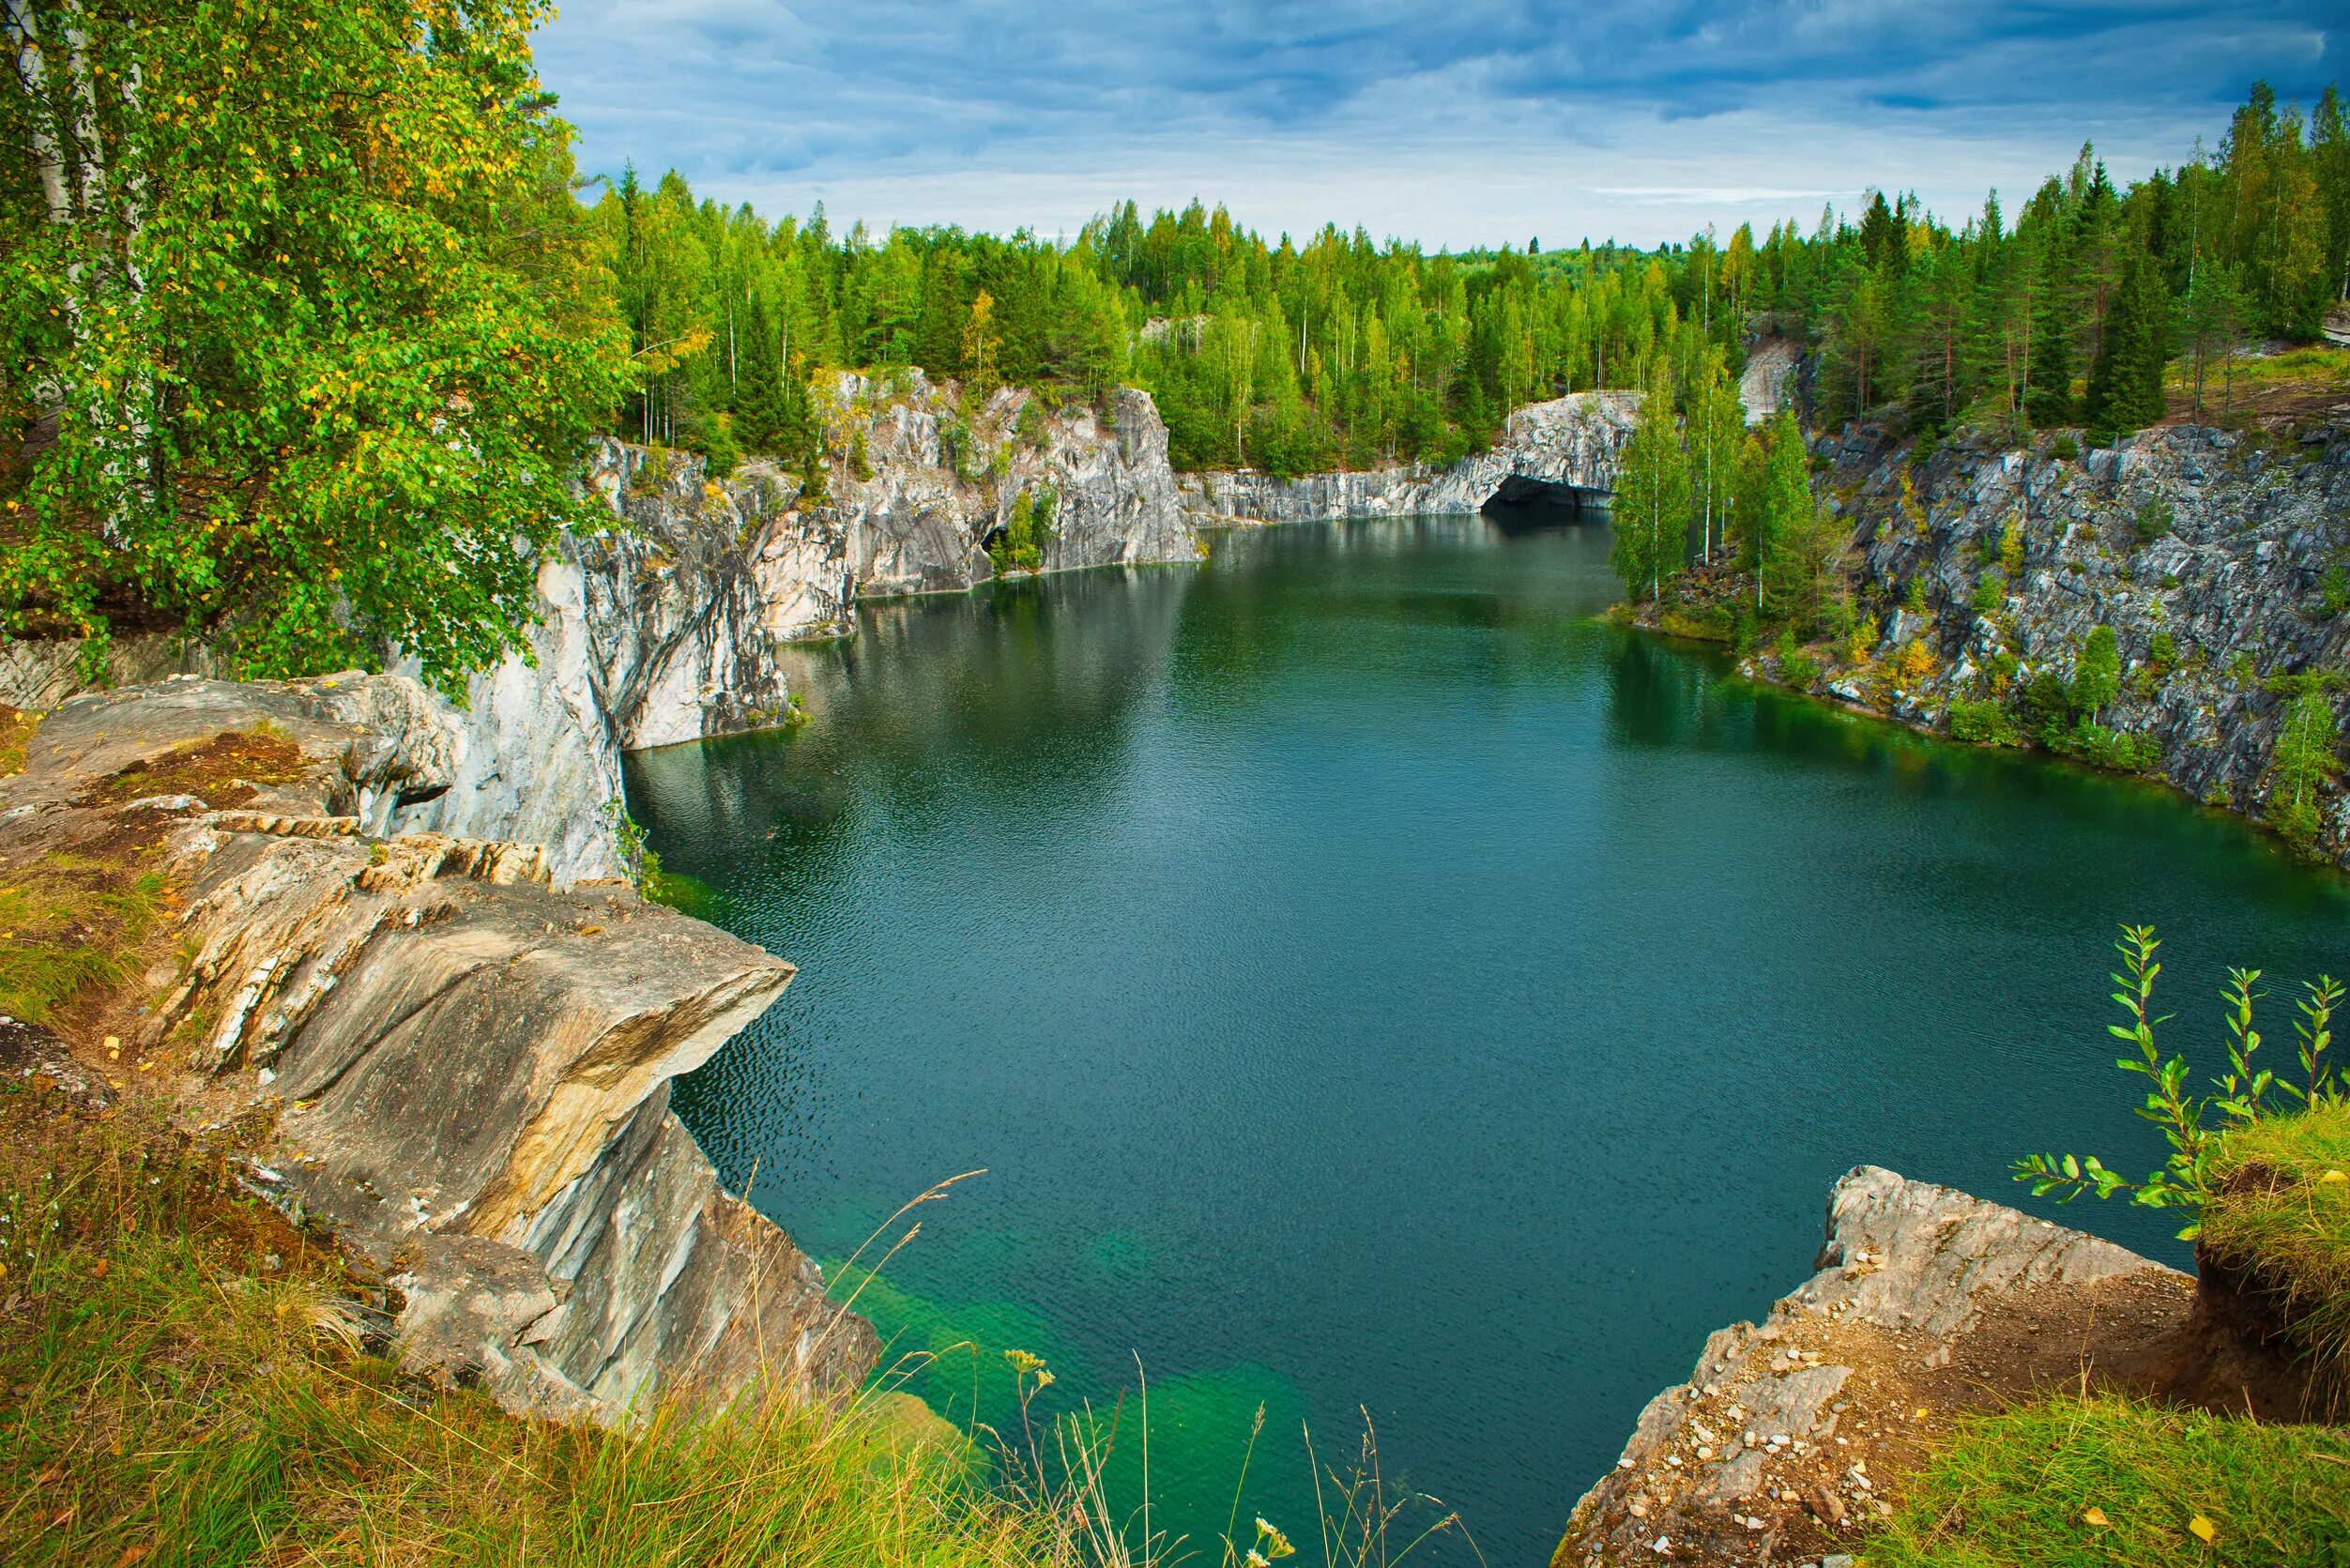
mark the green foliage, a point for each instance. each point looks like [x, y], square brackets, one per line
[1027, 530]
[316, 325]
[1796, 666]
[1990, 591]
[1650, 540]
[2333, 590]
[2096, 676]
[2125, 382]
[2306, 762]
[2064, 448]
[2066, 1481]
[2163, 652]
[639, 861]
[2117, 751]
[860, 460]
[1916, 598]
[2012, 549]
[2194, 1124]
[1983, 722]
[2155, 520]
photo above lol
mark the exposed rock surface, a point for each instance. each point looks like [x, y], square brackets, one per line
[946, 473]
[2234, 585]
[665, 627]
[1790, 1438]
[1769, 381]
[470, 1068]
[1571, 442]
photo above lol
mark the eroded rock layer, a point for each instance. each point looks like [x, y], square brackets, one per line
[469, 1067]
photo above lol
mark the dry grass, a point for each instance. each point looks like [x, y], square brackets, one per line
[187, 1384]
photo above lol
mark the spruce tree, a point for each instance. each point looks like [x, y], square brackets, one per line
[2126, 383]
[2048, 394]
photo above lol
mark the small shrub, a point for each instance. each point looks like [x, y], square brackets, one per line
[1916, 598]
[2117, 751]
[1983, 722]
[2333, 590]
[1990, 591]
[2064, 448]
[2163, 652]
[2155, 520]
[1796, 666]
[2012, 549]
[860, 462]
[1916, 663]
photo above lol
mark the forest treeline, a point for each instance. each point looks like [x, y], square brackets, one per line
[1342, 353]
[307, 317]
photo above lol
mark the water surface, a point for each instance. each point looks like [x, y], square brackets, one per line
[1374, 985]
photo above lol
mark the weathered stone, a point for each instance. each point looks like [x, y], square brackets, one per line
[1573, 442]
[1910, 1273]
[472, 1065]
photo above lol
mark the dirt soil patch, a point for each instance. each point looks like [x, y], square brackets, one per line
[224, 772]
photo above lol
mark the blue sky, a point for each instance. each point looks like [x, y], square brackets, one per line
[1455, 122]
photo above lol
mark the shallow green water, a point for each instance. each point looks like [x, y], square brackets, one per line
[1371, 984]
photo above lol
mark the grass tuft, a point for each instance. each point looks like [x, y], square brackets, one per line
[68, 923]
[2025, 1490]
[2280, 1208]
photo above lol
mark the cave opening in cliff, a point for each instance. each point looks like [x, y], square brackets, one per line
[1523, 503]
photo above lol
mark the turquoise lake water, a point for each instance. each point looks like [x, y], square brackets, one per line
[1374, 986]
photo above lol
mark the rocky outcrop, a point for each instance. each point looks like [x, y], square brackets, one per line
[943, 471]
[2219, 559]
[1790, 1438]
[469, 1067]
[1569, 444]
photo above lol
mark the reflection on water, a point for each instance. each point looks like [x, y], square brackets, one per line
[1370, 981]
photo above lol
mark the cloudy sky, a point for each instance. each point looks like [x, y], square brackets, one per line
[1455, 122]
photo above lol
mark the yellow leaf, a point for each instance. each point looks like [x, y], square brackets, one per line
[2332, 1176]
[2095, 1516]
[2202, 1529]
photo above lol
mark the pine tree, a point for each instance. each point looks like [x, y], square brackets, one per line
[2048, 394]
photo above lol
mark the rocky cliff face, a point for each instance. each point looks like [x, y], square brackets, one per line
[1790, 1439]
[468, 1069]
[946, 471]
[2219, 560]
[664, 626]
[1571, 443]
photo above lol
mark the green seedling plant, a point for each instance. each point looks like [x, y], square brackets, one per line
[2193, 1124]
